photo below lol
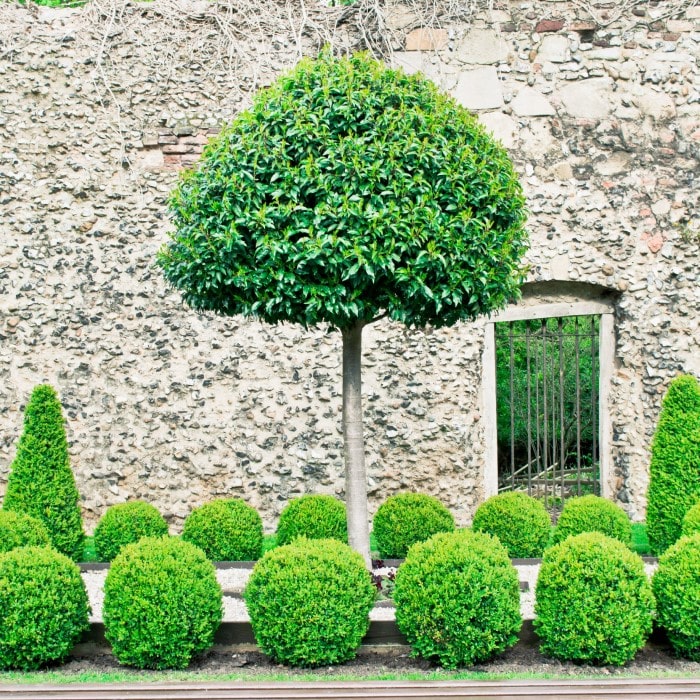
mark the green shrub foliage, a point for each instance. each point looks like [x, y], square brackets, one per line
[41, 482]
[407, 518]
[226, 530]
[162, 603]
[458, 599]
[309, 602]
[315, 517]
[593, 514]
[676, 586]
[593, 601]
[124, 524]
[691, 521]
[43, 607]
[21, 530]
[674, 470]
[520, 522]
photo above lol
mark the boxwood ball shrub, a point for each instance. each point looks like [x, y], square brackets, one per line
[309, 602]
[124, 524]
[43, 607]
[458, 599]
[407, 518]
[593, 601]
[593, 514]
[520, 522]
[691, 521]
[227, 529]
[162, 603]
[676, 586]
[314, 516]
[21, 530]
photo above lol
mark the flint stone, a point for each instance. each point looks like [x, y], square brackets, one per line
[482, 46]
[479, 89]
[586, 99]
[532, 103]
[554, 49]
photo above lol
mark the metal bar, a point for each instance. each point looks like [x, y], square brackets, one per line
[545, 443]
[512, 405]
[594, 398]
[529, 410]
[577, 365]
[562, 456]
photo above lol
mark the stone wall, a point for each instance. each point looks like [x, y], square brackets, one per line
[100, 106]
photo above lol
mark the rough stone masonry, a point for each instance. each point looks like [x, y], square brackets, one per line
[102, 105]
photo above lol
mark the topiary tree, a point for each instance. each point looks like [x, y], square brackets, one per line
[674, 470]
[21, 530]
[348, 193]
[314, 516]
[691, 521]
[593, 514]
[41, 482]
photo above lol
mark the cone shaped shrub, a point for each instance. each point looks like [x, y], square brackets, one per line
[407, 518]
[21, 530]
[676, 586]
[41, 482]
[593, 601]
[309, 602]
[314, 516]
[520, 522]
[43, 607]
[226, 530]
[674, 470]
[593, 514]
[162, 603]
[126, 523]
[458, 599]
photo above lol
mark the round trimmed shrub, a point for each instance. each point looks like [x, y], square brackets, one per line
[21, 530]
[593, 514]
[227, 529]
[309, 602]
[520, 522]
[407, 518]
[458, 599]
[691, 521]
[162, 603]
[593, 601]
[314, 516]
[127, 523]
[676, 586]
[43, 607]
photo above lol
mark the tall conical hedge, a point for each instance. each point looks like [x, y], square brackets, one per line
[674, 484]
[41, 482]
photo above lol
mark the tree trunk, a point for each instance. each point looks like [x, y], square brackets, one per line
[355, 476]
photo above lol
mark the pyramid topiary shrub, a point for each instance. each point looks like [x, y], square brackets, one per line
[674, 484]
[458, 599]
[124, 524]
[309, 602]
[593, 514]
[21, 530]
[314, 516]
[520, 522]
[227, 529]
[676, 586]
[43, 607]
[593, 601]
[162, 605]
[41, 482]
[407, 518]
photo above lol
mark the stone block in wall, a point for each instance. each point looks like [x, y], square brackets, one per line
[554, 48]
[426, 39]
[479, 89]
[482, 46]
[657, 105]
[532, 103]
[587, 99]
[503, 127]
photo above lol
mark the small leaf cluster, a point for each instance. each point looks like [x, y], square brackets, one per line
[593, 601]
[41, 482]
[162, 605]
[43, 607]
[124, 524]
[227, 529]
[691, 521]
[314, 516]
[21, 530]
[674, 468]
[407, 518]
[309, 602]
[676, 586]
[457, 598]
[593, 514]
[349, 191]
[520, 522]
